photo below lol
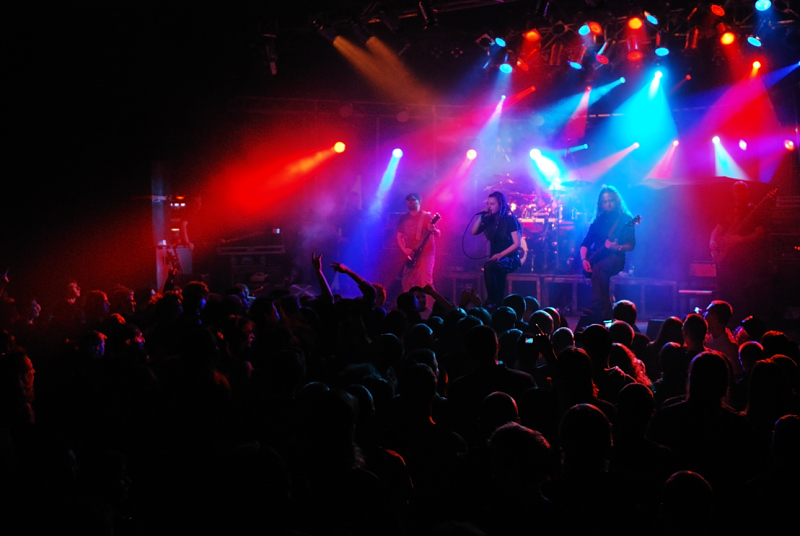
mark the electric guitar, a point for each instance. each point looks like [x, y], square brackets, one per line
[719, 252]
[597, 255]
[413, 259]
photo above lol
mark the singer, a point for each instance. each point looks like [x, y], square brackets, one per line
[503, 231]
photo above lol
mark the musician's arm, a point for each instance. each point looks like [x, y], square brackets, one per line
[401, 241]
[477, 227]
[510, 249]
[435, 231]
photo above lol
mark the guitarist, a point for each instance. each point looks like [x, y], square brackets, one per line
[740, 248]
[610, 235]
[415, 229]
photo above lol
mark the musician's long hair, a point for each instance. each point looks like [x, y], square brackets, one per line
[622, 208]
[496, 222]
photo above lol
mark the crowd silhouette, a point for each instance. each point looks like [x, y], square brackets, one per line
[193, 410]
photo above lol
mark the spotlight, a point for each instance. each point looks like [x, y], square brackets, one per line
[651, 18]
[634, 54]
[584, 30]
[636, 145]
[763, 5]
[634, 23]
[506, 68]
[339, 147]
[499, 41]
[675, 143]
[756, 64]
[472, 154]
[621, 79]
[533, 35]
[715, 139]
[661, 44]
[717, 10]
[595, 28]
[788, 144]
[535, 153]
[742, 145]
[726, 36]
[602, 56]
[397, 153]
[577, 61]
[658, 75]
[755, 38]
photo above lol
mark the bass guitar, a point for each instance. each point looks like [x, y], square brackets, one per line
[719, 252]
[597, 255]
[413, 259]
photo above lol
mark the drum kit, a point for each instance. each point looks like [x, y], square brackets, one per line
[553, 222]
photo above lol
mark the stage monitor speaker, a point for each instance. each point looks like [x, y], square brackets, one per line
[587, 320]
[654, 327]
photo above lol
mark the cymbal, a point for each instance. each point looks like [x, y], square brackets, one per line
[577, 183]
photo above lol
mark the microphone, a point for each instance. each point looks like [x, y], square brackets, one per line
[482, 213]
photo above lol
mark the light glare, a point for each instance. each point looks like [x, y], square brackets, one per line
[339, 147]
[397, 153]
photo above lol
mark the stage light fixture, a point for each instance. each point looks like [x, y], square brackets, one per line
[652, 19]
[339, 147]
[675, 143]
[634, 53]
[499, 41]
[788, 145]
[506, 68]
[692, 38]
[658, 75]
[756, 64]
[755, 38]
[397, 153]
[726, 35]
[535, 153]
[584, 30]
[325, 31]
[389, 20]
[533, 35]
[661, 44]
[576, 62]
[472, 154]
[361, 31]
[427, 14]
[715, 140]
[763, 5]
[636, 145]
[717, 10]
[622, 80]
[634, 23]
[602, 56]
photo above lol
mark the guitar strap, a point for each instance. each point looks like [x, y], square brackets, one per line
[419, 225]
[613, 228]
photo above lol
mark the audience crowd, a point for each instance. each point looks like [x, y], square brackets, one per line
[189, 411]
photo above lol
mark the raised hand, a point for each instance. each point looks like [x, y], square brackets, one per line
[316, 261]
